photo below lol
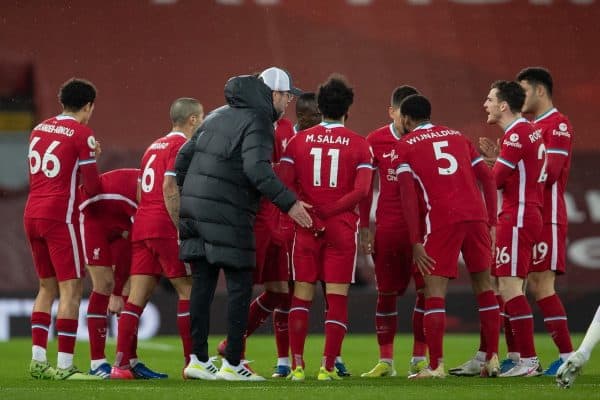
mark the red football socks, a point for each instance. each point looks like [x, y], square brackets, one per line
[386, 321]
[434, 323]
[97, 323]
[280, 326]
[67, 334]
[261, 308]
[489, 316]
[521, 321]
[184, 327]
[127, 336]
[555, 320]
[336, 325]
[419, 342]
[40, 325]
[298, 326]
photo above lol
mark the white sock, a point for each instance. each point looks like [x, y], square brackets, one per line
[65, 360]
[592, 337]
[416, 359]
[194, 359]
[283, 361]
[133, 362]
[564, 356]
[38, 353]
[480, 356]
[529, 360]
[94, 364]
[514, 356]
[387, 360]
[338, 359]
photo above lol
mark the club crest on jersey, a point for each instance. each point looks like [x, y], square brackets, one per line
[96, 255]
[91, 142]
[284, 143]
[391, 155]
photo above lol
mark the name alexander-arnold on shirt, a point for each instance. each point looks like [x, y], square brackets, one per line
[58, 129]
[331, 139]
[432, 135]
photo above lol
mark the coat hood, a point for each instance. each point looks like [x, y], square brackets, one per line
[248, 91]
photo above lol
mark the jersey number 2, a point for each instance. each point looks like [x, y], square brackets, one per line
[317, 154]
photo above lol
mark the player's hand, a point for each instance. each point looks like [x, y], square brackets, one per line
[125, 235]
[98, 149]
[424, 263]
[493, 237]
[489, 150]
[115, 304]
[300, 215]
[366, 240]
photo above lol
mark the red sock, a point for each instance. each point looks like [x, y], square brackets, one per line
[555, 320]
[185, 330]
[434, 323]
[489, 315]
[280, 326]
[97, 322]
[40, 325]
[521, 322]
[261, 308]
[511, 344]
[298, 326]
[419, 342]
[336, 325]
[133, 350]
[67, 334]
[128, 326]
[386, 321]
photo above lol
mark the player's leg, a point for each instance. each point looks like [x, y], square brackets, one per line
[418, 360]
[572, 367]
[183, 287]
[549, 260]
[204, 283]
[97, 320]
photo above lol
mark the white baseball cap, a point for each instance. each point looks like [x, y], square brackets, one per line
[279, 80]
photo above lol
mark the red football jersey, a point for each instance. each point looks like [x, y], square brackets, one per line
[284, 132]
[383, 141]
[557, 134]
[441, 160]
[326, 159]
[523, 153]
[152, 219]
[57, 147]
[116, 205]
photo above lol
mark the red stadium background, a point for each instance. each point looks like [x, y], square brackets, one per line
[142, 54]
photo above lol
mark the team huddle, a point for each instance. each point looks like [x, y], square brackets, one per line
[438, 199]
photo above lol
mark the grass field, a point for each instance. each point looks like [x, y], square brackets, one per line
[360, 354]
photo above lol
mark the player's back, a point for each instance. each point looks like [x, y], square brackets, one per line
[152, 219]
[118, 198]
[557, 135]
[441, 160]
[523, 150]
[326, 158]
[383, 142]
[57, 147]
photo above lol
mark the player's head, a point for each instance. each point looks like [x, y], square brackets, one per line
[399, 94]
[186, 114]
[78, 96]
[414, 110]
[538, 85]
[335, 97]
[504, 101]
[307, 111]
[280, 82]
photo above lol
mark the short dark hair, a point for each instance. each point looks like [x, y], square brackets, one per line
[537, 76]
[416, 107]
[304, 100]
[512, 93]
[400, 93]
[335, 97]
[75, 93]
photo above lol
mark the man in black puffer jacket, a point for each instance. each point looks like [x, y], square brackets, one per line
[223, 171]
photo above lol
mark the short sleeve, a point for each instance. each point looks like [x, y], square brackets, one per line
[170, 171]
[474, 155]
[558, 140]
[402, 162]
[365, 156]
[86, 147]
[511, 151]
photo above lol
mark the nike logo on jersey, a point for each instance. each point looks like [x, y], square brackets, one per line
[536, 262]
[392, 155]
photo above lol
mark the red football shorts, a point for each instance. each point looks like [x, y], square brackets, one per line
[56, 249]
[472, 238]
[330, 257]
[157, 257]
[514, 248]
[393, 260]
[550, 253]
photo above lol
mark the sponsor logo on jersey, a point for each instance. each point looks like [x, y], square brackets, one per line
[91, 142]
[391, 175]
[391, 155]
[508, 143]
[514, 137]
[561, 133]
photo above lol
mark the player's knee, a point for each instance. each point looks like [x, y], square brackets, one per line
[48, 289]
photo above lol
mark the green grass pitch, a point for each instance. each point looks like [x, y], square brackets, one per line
[360, 354]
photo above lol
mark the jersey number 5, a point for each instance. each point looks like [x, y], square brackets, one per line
[37, 162]
[317, 154]
[440, 155]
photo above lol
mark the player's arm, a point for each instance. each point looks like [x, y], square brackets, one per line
[171, 197]
[410, 209]
[349, 201]
[488, 186]
[557, 152]
[364, 210]
[507, 161]
[90, 179]
[184, 159]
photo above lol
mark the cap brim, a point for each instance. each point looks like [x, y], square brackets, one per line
[296, 91]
